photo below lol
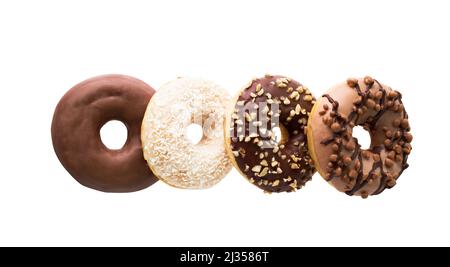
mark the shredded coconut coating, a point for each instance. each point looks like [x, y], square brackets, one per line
[168, 151]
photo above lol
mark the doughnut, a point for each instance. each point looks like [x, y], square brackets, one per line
[336, 153]
[78, 118]
[173, 158]
[263, 105]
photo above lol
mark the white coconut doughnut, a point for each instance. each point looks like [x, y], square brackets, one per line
[169, 153]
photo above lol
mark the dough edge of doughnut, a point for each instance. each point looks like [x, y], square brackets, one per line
[310, 136]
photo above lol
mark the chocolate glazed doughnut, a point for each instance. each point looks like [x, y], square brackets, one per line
[76, 125]
[337, 154]
[263, 105]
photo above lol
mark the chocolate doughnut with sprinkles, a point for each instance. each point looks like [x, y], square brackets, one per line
[264, 105]
[336, 153]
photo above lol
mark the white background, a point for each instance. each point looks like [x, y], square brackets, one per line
[48, 46]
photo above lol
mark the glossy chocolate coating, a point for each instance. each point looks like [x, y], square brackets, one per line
[76, 125]
[272, 166]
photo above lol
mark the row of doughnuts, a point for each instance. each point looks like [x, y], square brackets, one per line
[274, 132]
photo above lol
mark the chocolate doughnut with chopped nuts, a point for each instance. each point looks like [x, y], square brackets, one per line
[169, 153]
[264, 105]
[336, 153]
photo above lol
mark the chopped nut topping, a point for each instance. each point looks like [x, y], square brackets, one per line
[298, 109]
[293, 95]
[295, 166]
[263, 172]
[281, 82]
[256, 168]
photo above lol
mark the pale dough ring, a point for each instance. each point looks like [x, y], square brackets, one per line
[169, 153]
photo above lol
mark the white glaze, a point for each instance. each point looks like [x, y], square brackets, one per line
[168, 151]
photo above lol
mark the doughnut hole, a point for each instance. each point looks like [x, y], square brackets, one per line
[280, 133]
[194, 133]
[362, 136]
[114, 134]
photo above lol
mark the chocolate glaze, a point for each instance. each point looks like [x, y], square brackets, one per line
[337, 154]
[76, 125]
[273, 166]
